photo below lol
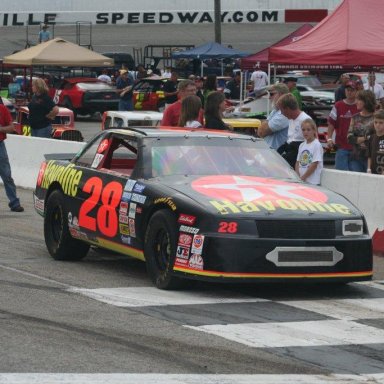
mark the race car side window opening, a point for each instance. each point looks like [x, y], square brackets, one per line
[121, 156]
[88, 155]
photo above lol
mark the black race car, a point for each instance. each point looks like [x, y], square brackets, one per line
[200, 204]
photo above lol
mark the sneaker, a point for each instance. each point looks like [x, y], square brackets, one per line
[19, 208]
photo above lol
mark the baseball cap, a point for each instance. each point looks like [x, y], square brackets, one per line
[350, 84]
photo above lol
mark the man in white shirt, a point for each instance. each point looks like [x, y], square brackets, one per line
[376, 88]
[259, 80]
[290, 109]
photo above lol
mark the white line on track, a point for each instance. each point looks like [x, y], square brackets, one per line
[296, 334]
[119, 378]
[36, 277]
[150, 296]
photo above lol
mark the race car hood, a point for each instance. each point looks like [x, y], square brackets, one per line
[258, 196]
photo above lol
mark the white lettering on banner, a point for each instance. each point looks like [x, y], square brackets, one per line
[132, 18]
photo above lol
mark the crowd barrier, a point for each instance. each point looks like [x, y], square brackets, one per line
[27, 153]
[364, 190]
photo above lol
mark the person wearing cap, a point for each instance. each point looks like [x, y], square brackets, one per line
[376, 88]
[338, 123]
[289, 107]
[274, 130]
[232, 87]
[172, 113]
[170, 90]
[44, 34]
[359, 85]
[340, 91]
[291, 84]
[124, 85]
[259, 80]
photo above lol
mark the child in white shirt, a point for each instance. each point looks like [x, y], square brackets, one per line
[310, 156]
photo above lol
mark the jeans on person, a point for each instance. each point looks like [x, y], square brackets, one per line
[5, 174]
[42, 132]
[342, 159]
[126, 105]
[358, 165]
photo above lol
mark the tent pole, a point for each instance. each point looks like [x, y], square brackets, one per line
[202, 69]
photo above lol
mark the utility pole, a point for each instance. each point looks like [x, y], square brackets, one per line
[218, 21]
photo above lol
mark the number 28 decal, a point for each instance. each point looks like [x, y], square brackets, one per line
[227, 227]
[106, 218]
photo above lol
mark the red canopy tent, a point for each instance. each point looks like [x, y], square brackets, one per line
[351, 35]
[262, 57]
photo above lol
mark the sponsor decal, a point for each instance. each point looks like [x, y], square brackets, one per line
[166, 200]
[182, 252]
[123, 207]
[129, 185]
[97, 160]
[181, 262]
[197, 244]
[123, 219]
[138, 198]
[75, 222]
[124, 229]
[78, 234]
[236, 194]
[184, 228]
[185, 240]
[66, 176]
[186, 219]
[132, 230]
[196, 262]
[103, 146]
[132, 210]
[126, 240]
[70, 218]
[139, 188]
[39, 204]
[126, 196]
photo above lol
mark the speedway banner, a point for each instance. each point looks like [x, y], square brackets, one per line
[161, 17]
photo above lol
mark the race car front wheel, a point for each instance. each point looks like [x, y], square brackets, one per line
[60, 244]
[160, 250]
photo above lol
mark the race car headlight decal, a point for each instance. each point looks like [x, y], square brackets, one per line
[353, 227]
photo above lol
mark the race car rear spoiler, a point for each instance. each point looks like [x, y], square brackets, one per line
[59, 156]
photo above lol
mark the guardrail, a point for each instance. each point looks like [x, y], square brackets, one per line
[364, 190]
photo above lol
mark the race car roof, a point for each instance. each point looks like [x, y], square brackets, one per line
[180, 132]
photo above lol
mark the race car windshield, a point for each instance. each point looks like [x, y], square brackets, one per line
[219, 157]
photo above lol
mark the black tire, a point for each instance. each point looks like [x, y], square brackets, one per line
[160, 250]
[60, 244]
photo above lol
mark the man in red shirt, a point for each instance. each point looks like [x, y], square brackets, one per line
[172, 112]
[6, 126]
[338, 121]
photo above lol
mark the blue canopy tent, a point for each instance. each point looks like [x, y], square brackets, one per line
[209, 51]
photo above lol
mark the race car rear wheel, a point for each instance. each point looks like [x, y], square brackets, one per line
[160, 250]
[60, 244]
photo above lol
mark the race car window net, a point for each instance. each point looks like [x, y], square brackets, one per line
[218, 157]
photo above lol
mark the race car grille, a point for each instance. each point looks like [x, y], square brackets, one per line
[296, 229]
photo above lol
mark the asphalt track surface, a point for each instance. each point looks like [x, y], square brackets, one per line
[102, 317]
